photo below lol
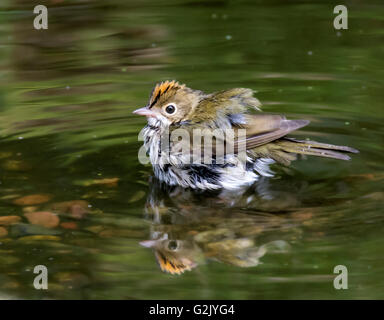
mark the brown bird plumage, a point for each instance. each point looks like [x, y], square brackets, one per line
[174, 106]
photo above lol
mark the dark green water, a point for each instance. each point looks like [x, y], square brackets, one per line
[67, 133]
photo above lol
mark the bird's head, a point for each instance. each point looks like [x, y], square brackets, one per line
[174, 256]
[170, 103]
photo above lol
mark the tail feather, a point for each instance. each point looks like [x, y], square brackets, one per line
[285, 150]
[314, 148]
[322, 145]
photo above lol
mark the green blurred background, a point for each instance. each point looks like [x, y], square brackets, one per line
[69, 143]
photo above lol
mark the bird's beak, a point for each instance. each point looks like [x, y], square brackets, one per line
[145, 111]
[148, 243]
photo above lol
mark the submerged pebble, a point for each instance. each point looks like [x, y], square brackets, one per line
[43, 218]
[7, 220]
[69, 225]
[109, 182]
[77, 209]
[32, 199]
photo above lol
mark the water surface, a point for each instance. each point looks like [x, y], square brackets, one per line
[68, 148]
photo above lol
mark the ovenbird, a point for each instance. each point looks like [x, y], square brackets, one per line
[173, 107]
[177, 256]
[187, 230]
[174, 256]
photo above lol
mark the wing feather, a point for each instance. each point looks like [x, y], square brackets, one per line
[264, 128]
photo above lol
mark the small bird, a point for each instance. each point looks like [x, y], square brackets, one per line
[188, 230]
[178, 256]
[173, 106]
[174, 256]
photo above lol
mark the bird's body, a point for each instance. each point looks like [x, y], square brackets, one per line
[261, 136]
[230, 175]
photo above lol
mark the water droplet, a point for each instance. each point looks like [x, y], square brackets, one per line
[20, 138]
[67, 87]
[347, 123]
[228, 37]
[214, 16]
[310, 53]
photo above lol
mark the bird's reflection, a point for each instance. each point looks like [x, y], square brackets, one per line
[188, 227]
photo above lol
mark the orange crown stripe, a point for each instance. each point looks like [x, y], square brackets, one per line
[162, 88]
[167, 265]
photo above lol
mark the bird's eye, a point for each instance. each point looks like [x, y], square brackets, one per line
[172, 245]
[170, 109]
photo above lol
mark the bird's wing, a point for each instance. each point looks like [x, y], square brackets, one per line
[261, 129]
